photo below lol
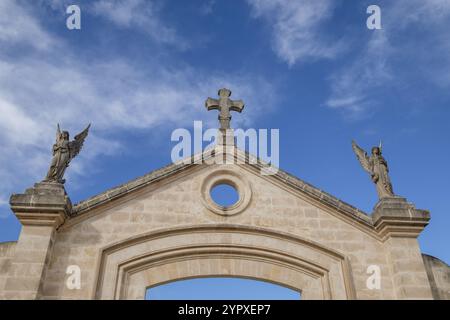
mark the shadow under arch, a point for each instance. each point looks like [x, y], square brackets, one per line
[128, 267]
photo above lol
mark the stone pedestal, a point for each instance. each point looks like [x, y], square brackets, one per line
[41, 210]
[400, 223]
[397, 217]
[46, 203]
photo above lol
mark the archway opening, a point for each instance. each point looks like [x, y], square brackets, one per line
[221, 288]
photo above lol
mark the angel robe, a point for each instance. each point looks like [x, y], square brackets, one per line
[380, 176]
[60, 161]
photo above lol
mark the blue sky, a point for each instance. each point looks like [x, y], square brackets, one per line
[221, 289]
[139, 69]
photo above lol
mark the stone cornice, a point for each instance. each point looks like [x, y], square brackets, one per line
[395, 217]
[392, 217]
[247, 159]
[46, 204]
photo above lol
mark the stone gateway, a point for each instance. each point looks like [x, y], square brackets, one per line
[164, 226]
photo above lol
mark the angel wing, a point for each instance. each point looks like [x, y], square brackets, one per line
[76, 144]
[362, 157]
[57, 140]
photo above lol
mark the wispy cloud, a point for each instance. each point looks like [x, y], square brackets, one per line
[115, 95]
[142, 15]
[207, 7]
[3, 204]
[393, 56]
[296, 28]
[350, 86]
[19, 26]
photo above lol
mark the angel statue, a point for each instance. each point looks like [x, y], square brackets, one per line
[377, 167]
[63, 152]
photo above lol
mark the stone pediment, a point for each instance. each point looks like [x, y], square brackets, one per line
[250, 163]
[390, 217]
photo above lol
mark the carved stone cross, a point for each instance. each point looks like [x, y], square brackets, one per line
[225, 105]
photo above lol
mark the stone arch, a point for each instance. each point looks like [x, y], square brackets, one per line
[127, 268]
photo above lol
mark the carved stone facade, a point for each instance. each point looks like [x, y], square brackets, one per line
[164, 227]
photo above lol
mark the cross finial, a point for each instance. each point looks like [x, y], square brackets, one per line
[225, 105]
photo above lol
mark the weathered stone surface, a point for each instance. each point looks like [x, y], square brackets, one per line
[438, 273]
[160, 227]
[6, 254]
[44, 197]
[41, 210]
[395, 216]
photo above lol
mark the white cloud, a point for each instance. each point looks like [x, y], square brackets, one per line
[139, 14]
[351, 85]
[4, 212]
[115, 95]
[19, 26]
[408, 12]
[296, 27]
[414, 31]
[207, 7]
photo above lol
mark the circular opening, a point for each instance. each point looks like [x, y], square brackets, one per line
[224, 195]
